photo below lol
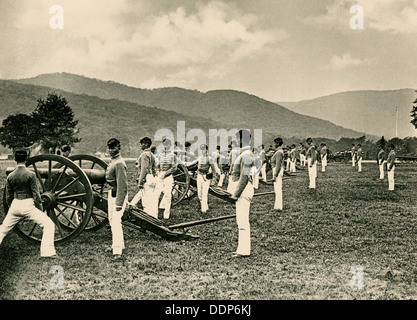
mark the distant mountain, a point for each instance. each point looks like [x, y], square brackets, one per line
[229, 108]
[368, 111]
[100, 119]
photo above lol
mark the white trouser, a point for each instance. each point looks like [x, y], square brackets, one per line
[292, 166]
[381, 171]
[166, 188]
[242, 220]
[360, 165]
[203, 185]
[256, 181]
[149, 196]
[221, 180]
[353, 160]
[278, 190]
[288, 164]
[312, 173]
[115, 221]
[26, 209]
[302, 159]
[323, 163]
[391, 178]
[232, 185]
[263, 172]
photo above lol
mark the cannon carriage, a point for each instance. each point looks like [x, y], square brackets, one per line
[74, 195]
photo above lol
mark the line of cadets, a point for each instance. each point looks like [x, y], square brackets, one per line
[155, 176]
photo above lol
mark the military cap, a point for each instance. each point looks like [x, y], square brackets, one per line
[146, 140]
[21, 152]
[113, 143]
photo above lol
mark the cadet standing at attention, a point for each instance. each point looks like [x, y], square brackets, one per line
[323, 155]
[278, 173]
[147, 179]
[24, 202]
[205, 163]
[359, 157]
[244, 194]
[167, 164]
[353, 154]
[312, 163]
[381, 160]
[116, 177]
[391, 167]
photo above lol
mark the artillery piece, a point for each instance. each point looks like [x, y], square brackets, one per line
[74, 196]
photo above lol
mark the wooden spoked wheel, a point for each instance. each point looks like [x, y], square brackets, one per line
[98, 218]
[181, 187]
[66, 195]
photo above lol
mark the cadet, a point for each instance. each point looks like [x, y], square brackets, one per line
[381, 160]
[264, 162]
[234, 172]
[312, 163]
[167, 163]
[359, 155]
[116, 177]
[205, 163]
[278, 172]
[24, 202]
[147, 180]
[391, 167]
[293, 159]
[244, 194]
[353, 154]
[66, 150]
[323, 157]
[302, 150]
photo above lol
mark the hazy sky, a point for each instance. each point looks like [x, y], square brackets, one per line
[279, 50]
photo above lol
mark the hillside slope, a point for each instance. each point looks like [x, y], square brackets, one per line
[233, 109]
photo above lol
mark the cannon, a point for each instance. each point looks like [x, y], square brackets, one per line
[73, 194]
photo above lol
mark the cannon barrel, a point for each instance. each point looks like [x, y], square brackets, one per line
[96, 176]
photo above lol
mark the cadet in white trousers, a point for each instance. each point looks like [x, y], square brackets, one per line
[24, 202]
[359, 155]
[278, 173]
[381, 160]
[302, 150]
[116, 177]
[353, 154]
[391, 167]
[263, 159]
[293, 159]
[323, 155]
[244, 194]
[234, 171]
[311, 163]
[147, 180]
[167, 164]
[205, 163]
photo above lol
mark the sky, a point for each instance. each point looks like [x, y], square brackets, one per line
[279, 50]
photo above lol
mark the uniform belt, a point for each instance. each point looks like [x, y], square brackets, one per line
[22, 196]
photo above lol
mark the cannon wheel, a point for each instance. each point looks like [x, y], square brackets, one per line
[58, 193]
[85, 161]
[181, 187]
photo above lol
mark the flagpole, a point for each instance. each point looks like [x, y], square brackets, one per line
[396, 122]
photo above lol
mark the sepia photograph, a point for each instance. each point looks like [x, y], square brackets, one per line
[199, 157]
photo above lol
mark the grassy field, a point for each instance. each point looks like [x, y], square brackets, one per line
[303, 253]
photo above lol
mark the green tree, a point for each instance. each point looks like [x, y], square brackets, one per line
[55, 121]
[18, 130]
[414, 113]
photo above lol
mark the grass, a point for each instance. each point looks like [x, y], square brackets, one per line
[304, 253]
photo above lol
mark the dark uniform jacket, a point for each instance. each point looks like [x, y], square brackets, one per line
[21, 184]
